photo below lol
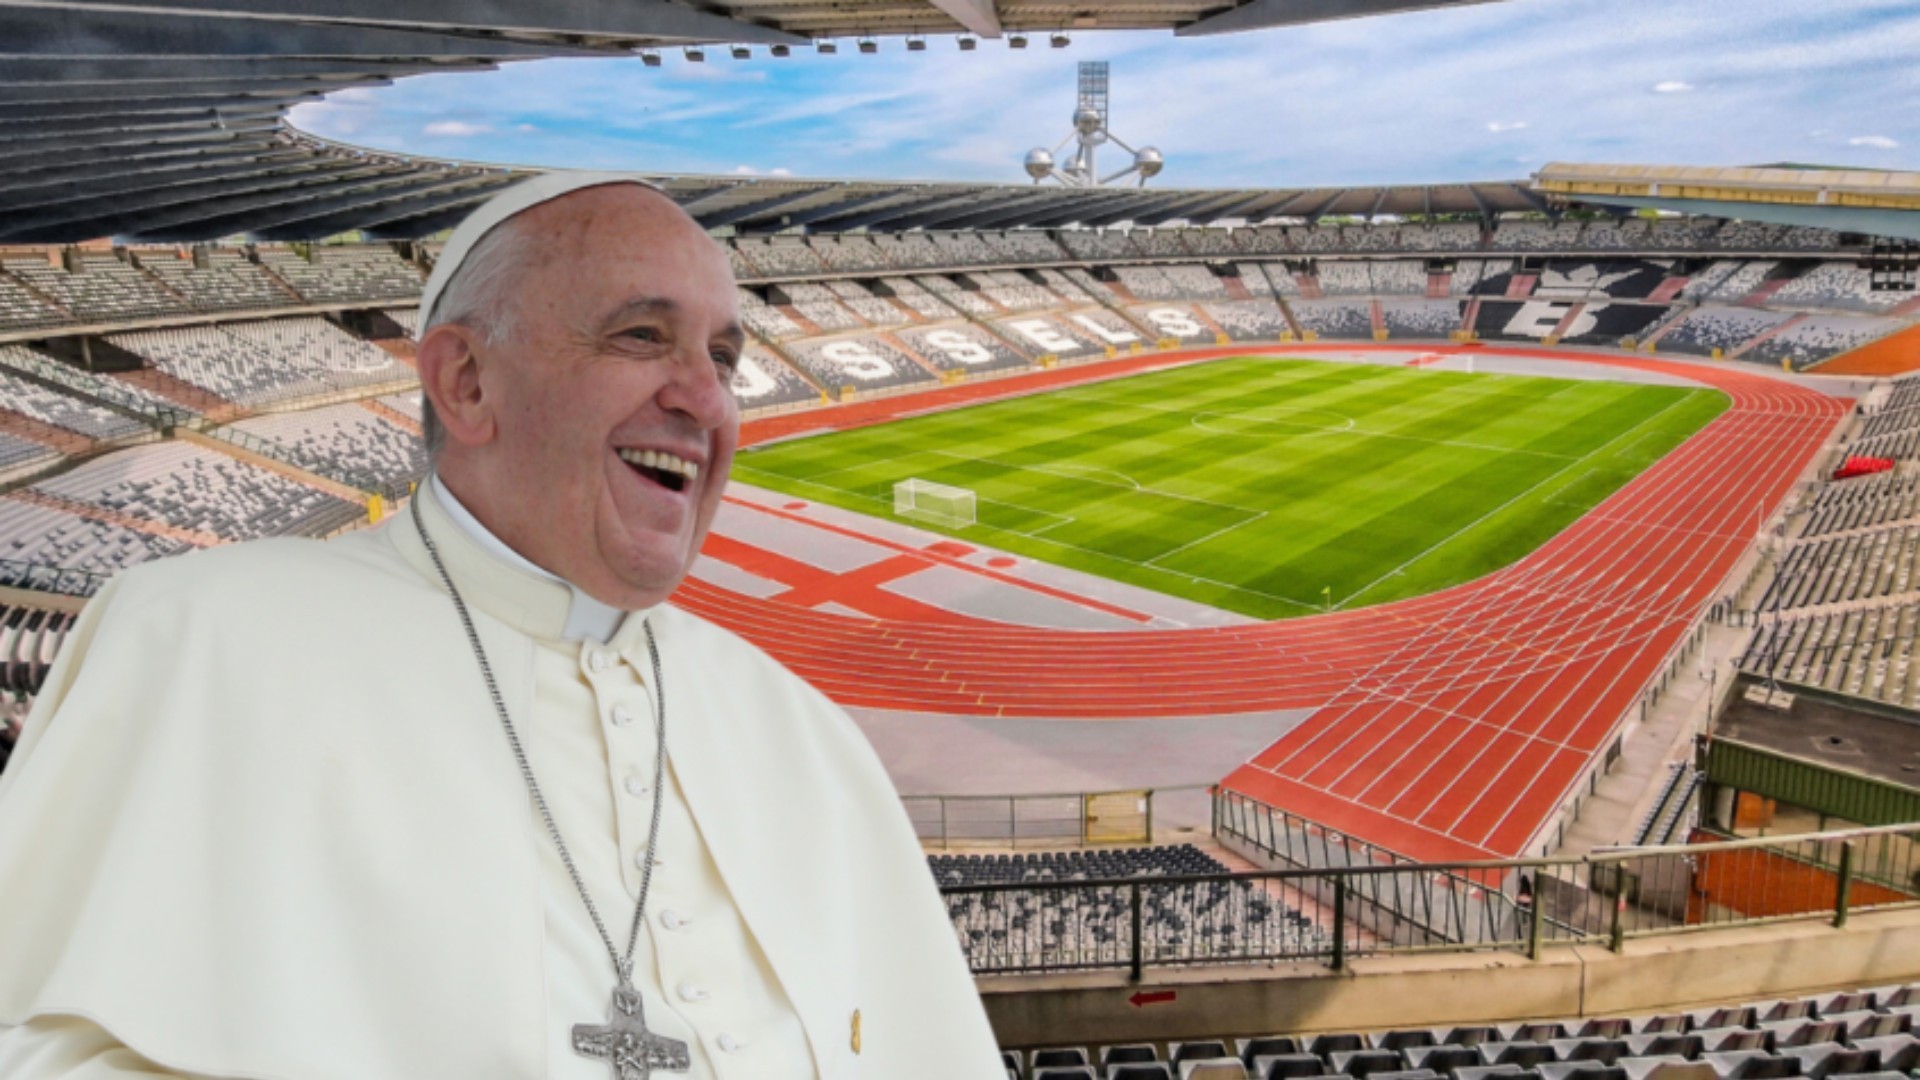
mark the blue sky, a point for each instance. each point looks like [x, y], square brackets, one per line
[1486, 91]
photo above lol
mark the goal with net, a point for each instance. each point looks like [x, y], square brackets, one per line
[939, 504]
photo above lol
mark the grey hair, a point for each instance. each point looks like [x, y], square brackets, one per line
[480, 298]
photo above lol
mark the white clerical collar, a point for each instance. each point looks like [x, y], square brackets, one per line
[586, 617]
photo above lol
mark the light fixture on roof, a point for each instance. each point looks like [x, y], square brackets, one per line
[696, 56]
[1059, 40]
[868, 46]
[1016, 41]
[968, 43]
[781, 52]
[650, 57]
[826, 48]
[916, 43]
[741, 52]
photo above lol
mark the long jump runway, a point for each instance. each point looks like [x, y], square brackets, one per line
[1449, 726]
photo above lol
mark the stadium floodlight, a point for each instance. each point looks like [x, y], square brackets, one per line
[741, 52]
[1016, 41]
[781, 51]
[1059, 41]
[868, 46]
[825, 48]
[967, 43]
[916, 43]
[650, 57]
[938, 504]
[696, 56]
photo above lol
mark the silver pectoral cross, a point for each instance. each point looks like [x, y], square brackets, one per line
[625, 1041]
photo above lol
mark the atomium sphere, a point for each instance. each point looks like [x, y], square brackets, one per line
[1086, 120]
[1149, 161]
[1039, 162]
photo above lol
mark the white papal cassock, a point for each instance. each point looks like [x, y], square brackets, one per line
[264, 823]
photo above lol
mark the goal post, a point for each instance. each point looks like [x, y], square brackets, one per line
[939, 504]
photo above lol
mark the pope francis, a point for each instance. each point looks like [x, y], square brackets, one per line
[462, 796]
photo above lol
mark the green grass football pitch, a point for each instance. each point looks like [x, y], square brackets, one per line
[1269, 487]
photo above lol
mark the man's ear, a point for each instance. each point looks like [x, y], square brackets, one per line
[450, 377]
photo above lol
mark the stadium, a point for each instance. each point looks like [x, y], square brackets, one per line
[1433, 631]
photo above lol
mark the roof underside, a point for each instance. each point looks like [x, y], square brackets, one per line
[150, 121]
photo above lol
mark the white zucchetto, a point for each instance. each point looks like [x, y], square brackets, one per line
[520, 197]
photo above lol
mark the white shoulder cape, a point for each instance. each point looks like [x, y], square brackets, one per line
[263, 824]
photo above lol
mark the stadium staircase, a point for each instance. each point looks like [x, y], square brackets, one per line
[182, 393]
[391, 415]
[1566, 321]
[1765, 335]
[1669, 290]
[148, 526]
[1765, 290]
[22, 426]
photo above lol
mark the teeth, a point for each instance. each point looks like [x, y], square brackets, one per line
[660, 459]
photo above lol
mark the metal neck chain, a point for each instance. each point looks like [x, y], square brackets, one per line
[622, 965]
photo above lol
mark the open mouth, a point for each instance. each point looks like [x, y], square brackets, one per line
[668, 470]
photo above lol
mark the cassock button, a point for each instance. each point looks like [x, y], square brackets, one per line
[621, 717]
[636, 787]
[729, 1043]
[690, 992]
[672, 920]
[640, 858]
[598, 660]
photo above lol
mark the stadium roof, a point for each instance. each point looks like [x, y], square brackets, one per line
[1868, 201]
[153, 120]
[286, 185]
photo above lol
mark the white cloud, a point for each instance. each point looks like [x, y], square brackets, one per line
[780, 172]
[525, 129]
[1672, 86]
[1877, 142]
[1498, 127]
[745, 170]
[455, 129]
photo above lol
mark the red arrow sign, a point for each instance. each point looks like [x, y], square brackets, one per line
[1157, 997]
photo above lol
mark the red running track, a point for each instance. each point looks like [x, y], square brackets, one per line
[1449, 726]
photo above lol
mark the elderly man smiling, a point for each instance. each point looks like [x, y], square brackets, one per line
[462, 796]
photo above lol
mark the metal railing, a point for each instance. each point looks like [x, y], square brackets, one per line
[1058, 820]
[1369, 903]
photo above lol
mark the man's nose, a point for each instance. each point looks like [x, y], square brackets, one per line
[699, 389]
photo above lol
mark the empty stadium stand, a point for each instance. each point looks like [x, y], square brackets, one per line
[1866, 1034]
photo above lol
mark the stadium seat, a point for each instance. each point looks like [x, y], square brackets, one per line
[1363, 1063]
[1061, 1057]
[1140, 1070]
[1665, 1043]
[1730, 1040]
[1335, 1043]
[1821, 1060]
[1446, 1059]
[1405, 1039]
[1288, 1066]
[1523, 1055]
[1580, 1070]
[1900, 1053]
[1127, 1054]
[1065, 1072]
[1221, 1068]
[1206, 1049]
[1605, 1051]
[1668, 1068]
[1267, 1045]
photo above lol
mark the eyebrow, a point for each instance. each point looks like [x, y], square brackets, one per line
[661, 305]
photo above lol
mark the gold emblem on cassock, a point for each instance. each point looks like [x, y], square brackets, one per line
[856, 1031]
